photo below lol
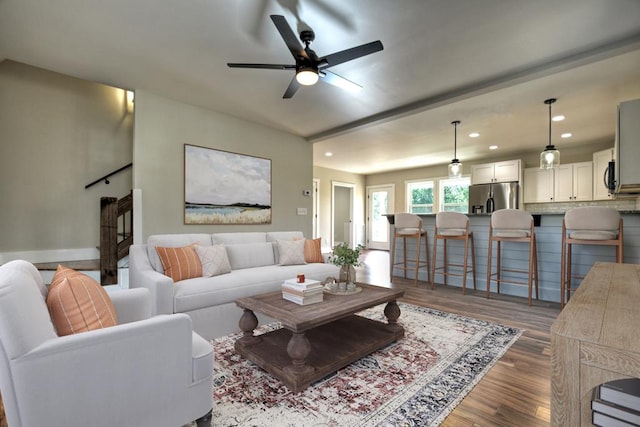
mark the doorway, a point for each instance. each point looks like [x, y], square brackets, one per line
[342, 230]
[380, 201]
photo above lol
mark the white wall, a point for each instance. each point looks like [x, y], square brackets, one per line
[162, 127]
[57, 134]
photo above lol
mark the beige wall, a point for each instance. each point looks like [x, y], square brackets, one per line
[163, 126]
[57, 134]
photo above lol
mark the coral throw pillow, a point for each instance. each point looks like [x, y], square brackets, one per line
[313, 251]
[77, 303]
[180, 263]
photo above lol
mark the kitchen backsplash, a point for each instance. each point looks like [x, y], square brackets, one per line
[621, 204]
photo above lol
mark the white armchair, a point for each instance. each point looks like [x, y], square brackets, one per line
[143, 372]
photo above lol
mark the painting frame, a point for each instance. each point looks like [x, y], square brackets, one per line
[226, 188]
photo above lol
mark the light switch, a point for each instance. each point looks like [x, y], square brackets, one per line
[302, 211]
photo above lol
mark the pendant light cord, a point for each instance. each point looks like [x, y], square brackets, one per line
[455, 124]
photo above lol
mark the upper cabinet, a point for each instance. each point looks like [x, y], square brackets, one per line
[496, 172]
[601, 161]
[573, 182]
[538, 185]
[568, 183]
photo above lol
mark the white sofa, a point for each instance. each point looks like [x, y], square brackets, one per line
[209, 301]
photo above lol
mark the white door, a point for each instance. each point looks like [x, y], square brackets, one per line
[380, 201]
[342, 228]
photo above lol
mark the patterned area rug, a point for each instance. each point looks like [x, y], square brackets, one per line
[415, 381]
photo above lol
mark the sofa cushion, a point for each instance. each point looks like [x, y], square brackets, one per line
[239, 238]
[273, 236]
[313, 250]
[214, 260]
[291, 252]
[194, 294]
[172, 241]
[250, 255]
[180, 263]
[77, 303]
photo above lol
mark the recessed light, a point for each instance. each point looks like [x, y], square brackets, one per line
[493, 147]
[566, 135]
[558, 118]
[328, 154]
[474, 135]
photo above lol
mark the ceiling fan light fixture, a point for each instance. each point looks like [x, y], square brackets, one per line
[307, 76]
[550, 157]
[455, 167]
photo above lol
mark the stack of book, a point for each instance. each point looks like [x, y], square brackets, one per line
[305, 293]
[617, 404]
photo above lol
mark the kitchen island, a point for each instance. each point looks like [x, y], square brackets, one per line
[549, 239]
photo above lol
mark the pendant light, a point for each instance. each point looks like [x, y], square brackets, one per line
[455, 167]
[550, 157]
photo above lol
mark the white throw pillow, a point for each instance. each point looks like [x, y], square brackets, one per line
[291, 252]
[214, 260]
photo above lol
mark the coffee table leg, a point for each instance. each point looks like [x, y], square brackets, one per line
[392, 311]
[248, 322]
[298, 349]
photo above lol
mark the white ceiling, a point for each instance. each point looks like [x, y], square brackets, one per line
[488, 63]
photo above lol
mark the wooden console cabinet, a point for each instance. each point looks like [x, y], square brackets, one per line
[595, 339]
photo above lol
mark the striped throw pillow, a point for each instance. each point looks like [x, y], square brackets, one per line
[180, 263]
[77, 303]
[313, 251]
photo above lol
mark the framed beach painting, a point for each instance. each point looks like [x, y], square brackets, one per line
[221, 187]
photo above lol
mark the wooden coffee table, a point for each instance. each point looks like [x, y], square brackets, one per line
[317, 339]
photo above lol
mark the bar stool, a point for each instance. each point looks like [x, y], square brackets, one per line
[512, 225]
[588, 225]
[453, 226]
[409, 226]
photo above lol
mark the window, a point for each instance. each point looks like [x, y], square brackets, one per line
[420, 197]
[454, 194]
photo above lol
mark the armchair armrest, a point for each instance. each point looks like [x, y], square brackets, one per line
[142, 275]
[131, 304]
[143, 363]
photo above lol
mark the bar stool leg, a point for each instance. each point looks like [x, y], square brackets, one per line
[473, 261]
[489, 256]
[499, 267]
[427, 263]
[417, 265]
[464, 274]
[434, 262]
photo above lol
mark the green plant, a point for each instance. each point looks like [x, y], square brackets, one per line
[344, 255]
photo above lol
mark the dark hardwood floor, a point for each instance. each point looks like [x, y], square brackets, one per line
[516, 390]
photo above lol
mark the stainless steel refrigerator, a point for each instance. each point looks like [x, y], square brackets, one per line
[486, 198]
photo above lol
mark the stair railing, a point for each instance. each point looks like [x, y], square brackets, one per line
[116, 235]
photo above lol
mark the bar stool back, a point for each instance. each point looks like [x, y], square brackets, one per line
[453, 226]
[409, 226]
[512, 225]
[587, 225]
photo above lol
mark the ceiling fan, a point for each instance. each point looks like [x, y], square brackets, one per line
[309, 68]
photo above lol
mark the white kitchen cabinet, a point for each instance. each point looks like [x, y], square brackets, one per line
[601, 161]
[573, 182]
[538, 185]
[505, 171]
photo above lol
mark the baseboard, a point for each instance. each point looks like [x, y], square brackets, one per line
[52, 255]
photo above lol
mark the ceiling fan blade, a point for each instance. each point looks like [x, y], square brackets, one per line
[349, 54]
[289, 37]
[263, 66]
[336, 80]
[291, 90]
